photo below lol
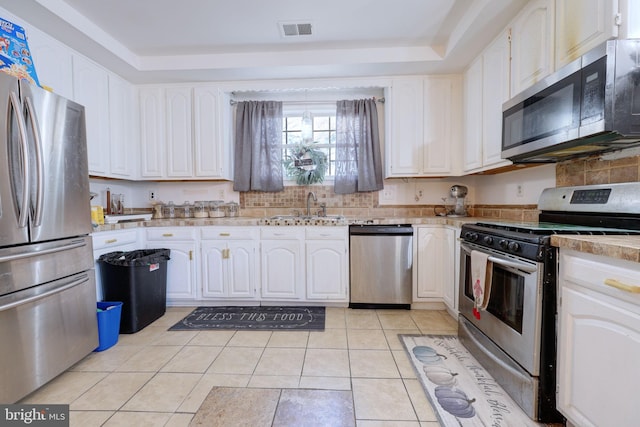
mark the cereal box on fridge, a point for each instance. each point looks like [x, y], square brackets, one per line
[15, 56]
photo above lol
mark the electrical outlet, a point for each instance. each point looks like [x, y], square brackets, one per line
[388, 193]
[221, 194]
[519, 191]
[152, 195]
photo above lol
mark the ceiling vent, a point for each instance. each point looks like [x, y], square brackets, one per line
[292, 29]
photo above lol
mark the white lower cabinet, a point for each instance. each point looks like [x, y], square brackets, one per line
[282, 263]
[181, 268]
[598, 340]
[451, 277]
[229, 262]
[105, 242]
[327, 267]
[434, 265]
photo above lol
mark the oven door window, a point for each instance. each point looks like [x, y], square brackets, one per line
[506, 301]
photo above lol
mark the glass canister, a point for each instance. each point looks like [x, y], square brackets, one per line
[187, 210]
[216, 209]
[201, 209]
[232, 209]
[170, 210]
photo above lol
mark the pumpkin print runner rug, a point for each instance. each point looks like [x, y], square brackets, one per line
[461, 392]
[270, 318]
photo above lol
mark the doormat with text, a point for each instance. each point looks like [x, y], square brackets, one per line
[460, 390]
[266, 318]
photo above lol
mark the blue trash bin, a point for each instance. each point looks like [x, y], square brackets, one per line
[108, 324]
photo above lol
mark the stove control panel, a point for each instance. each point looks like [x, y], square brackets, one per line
[512, 243]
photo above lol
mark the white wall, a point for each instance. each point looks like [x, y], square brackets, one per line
[136, 194]
[502, 189]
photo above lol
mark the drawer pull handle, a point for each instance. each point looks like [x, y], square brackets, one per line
[110, 241]
[622, 286]
[225, 234]
[167, 235]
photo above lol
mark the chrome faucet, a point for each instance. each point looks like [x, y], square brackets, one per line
[315, 199]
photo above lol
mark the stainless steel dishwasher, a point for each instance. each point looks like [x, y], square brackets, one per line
[381, 264]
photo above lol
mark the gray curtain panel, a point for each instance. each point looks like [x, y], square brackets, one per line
[258, 146]
[358, 158]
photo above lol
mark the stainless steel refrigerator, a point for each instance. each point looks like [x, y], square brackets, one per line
[47, 282]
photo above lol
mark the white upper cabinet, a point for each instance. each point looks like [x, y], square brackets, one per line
[179, 133]
[91, 89]
[442, 124]
[123, 149]
[472, 143]
[486, 87]
[185, 133]
[495, 89]
[53, 62]
[405, 113]
[152, 133]
[532, 41]
[582, 25]
[212, 125]
[423, 114]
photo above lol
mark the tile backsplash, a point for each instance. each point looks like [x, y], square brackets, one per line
[363, 205]
[604, 169]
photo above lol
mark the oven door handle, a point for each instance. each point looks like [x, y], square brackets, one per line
[528, 268]
[514, 264]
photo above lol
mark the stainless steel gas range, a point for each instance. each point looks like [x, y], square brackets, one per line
[513, 335]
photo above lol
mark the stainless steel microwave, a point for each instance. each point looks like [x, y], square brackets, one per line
[589, 106]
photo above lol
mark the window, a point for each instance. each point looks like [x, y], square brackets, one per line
[324, 134]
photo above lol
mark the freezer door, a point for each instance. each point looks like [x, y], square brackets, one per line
[59, 183]
[44, 330]
[24, 266]
[13, 166]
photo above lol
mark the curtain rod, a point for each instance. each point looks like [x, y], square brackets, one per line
[380, 100]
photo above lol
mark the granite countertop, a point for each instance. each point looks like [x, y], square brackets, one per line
[249, 221]
[620, 247]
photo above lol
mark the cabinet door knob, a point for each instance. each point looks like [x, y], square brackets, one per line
[167, 235]
[225, 234]
[110, 241]
[622, 286]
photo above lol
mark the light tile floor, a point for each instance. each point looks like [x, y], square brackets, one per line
[161, 378]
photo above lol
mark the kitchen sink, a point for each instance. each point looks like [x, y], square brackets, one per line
[310, 218]
[305, 220]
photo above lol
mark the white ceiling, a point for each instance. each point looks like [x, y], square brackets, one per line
[199, 40]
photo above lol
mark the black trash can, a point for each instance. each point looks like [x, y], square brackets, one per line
[139, 280]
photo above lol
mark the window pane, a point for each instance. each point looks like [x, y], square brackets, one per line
[294, 123]
[321, 137]
[324, 133]
[321, 123]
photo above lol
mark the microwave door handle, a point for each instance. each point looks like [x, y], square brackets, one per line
[30, 111]
[14, 105]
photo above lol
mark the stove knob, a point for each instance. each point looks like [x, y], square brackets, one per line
[472, 237]
[514, 246]
[503, 244]
[488, 240]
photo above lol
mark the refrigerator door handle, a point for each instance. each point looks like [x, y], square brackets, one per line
[23, 255]
[23, 210]
[30, 112]
[33, 298]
